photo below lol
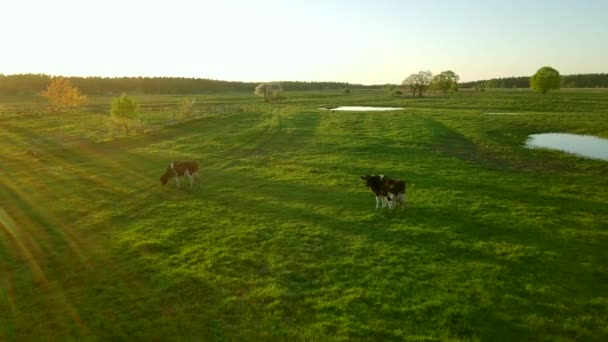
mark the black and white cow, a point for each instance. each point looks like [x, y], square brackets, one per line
[388, 191]
[176, 169]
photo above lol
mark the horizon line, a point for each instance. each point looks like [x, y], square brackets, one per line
[268, 81]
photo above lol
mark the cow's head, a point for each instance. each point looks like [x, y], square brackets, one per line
[372, 181]
[164, 179]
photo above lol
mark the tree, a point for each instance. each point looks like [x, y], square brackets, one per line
[419, 82]
[270, 91]
[186, 107]
[411, 84]
[445, 81]
[63, 95]
[492, 84]
[124, 111]
[546, 78]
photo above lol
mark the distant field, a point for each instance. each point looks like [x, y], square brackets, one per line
[282, 242]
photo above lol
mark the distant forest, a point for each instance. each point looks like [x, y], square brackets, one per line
[567, 81]
[24, 84]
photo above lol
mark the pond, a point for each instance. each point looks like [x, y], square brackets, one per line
[583, 145]
[363, 108]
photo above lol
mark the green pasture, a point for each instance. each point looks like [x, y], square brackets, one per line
[282, 241]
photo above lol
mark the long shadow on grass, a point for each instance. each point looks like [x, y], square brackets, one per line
[454, 144]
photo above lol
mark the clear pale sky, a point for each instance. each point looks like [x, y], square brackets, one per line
[369, 42]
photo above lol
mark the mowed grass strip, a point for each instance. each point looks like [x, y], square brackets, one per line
[282, 242]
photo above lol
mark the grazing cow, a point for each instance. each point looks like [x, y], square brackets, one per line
[179, 168]
[390, 192]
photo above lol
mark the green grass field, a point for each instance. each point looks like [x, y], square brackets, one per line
[282, 241]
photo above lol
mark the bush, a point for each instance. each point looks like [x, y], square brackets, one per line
[63, 95]
[186, 107]
[125, 111]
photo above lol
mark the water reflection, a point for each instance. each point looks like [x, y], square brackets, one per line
[582, 145]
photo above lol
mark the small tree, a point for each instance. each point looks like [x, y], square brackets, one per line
[63, 95]
[270, 91]
[186, 107]
[491, 84]
[410, 83]
[480, 86]
[418, 83]
[445, 81]
[124, 111]
[546, 78]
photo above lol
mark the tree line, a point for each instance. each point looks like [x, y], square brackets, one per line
[24, 84]
[566, 81]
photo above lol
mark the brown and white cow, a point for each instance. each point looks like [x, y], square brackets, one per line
[388, 191]
[188, 168]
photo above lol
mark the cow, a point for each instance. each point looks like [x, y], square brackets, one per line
[395, 192]
[390, 192]
[188, 168]
[374, 183]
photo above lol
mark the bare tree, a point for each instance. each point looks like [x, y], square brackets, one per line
[269, 91]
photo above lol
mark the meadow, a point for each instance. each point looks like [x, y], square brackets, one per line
[282, 241]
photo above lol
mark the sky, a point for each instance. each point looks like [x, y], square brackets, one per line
[356, 41]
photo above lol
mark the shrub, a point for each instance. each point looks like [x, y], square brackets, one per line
[125, 111]
[63, 95]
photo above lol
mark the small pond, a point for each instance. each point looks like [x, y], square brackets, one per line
[582, 145]
[363, 109]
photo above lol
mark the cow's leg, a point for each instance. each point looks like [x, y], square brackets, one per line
[175, 176]
[378, 202]
[198, 181]
[391, 200]
[388, 201]
[189, 177]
